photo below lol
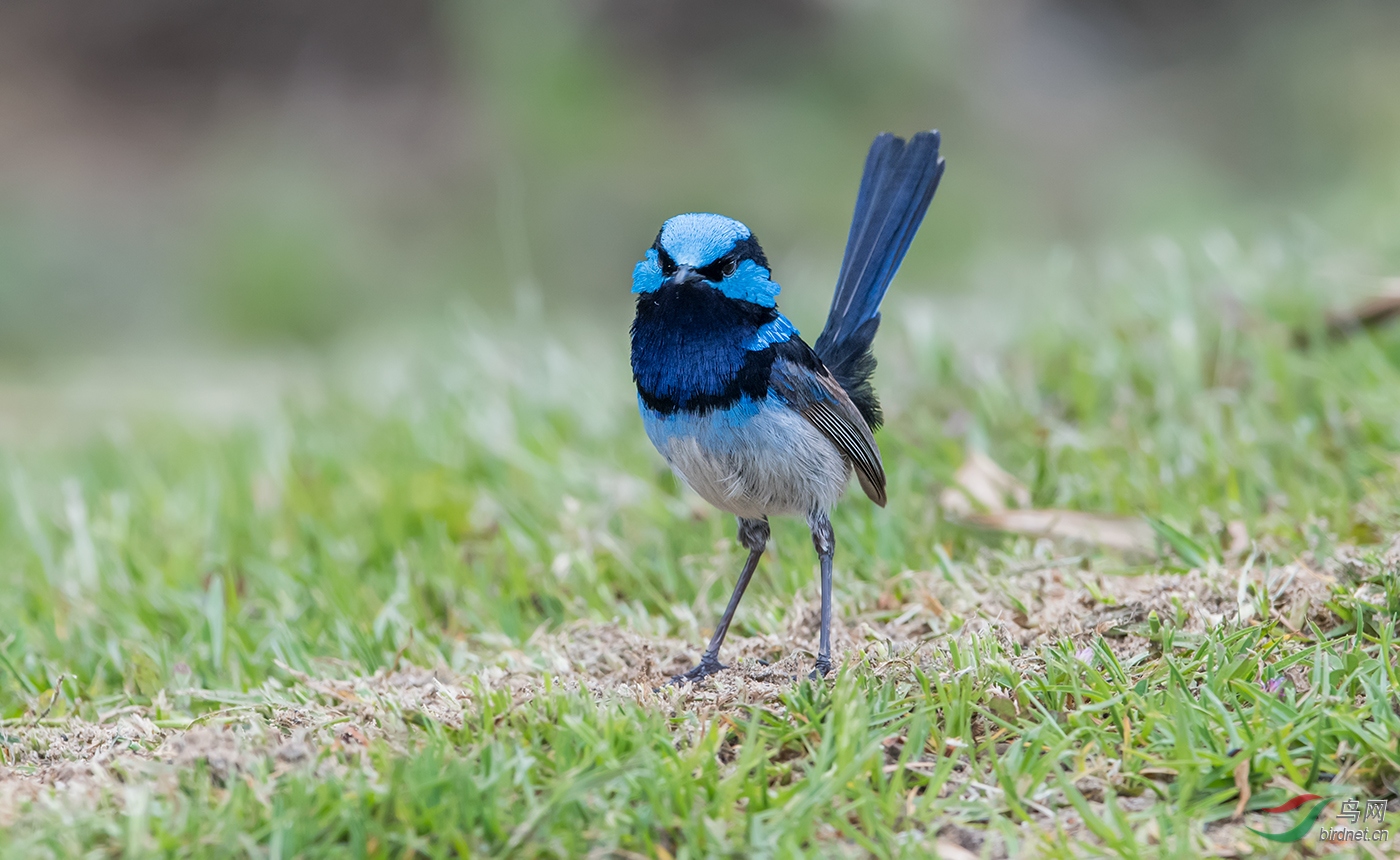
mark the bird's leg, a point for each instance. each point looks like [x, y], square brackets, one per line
[753, 535]
[824, 539]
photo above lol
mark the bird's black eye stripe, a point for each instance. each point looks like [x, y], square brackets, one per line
[668, 265]
[745, 249]
[719, 269]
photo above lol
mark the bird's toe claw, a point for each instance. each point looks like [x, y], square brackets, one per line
[706, 668]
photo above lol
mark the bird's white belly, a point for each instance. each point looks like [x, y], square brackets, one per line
[757, 459]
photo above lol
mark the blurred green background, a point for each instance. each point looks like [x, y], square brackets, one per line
[228, 175]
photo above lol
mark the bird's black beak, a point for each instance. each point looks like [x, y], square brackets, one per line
[684, 276]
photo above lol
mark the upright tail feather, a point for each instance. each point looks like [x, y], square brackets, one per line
[895, 192]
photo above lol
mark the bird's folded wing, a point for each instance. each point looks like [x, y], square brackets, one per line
[820, 399]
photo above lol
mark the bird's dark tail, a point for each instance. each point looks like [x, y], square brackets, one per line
[895, 191]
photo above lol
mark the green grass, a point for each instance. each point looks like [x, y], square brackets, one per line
[437, 505]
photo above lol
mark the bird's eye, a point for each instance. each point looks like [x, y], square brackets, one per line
[668, 266]
[719, 269]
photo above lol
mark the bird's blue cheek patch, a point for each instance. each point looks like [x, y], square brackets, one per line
[779, 330]
[646, 275]
[749, 283]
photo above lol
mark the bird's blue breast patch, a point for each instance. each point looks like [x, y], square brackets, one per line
[662, 425]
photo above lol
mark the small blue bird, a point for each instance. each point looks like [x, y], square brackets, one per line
[752, 418]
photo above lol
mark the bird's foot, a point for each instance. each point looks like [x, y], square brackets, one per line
[708, 666]
[821, 670]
